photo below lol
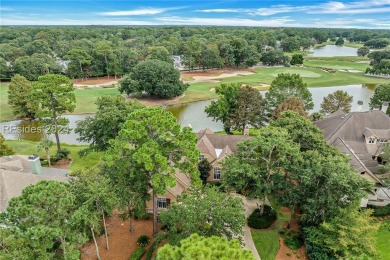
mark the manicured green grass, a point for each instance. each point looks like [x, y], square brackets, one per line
[267, 241]
[5, 109]
[353, 44]
[340, 58]
[199, 91]
[29, 147]
[337, 65]
[383, 240]
[326, 79]
[86, 98]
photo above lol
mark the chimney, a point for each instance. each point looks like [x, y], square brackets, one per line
[35, 163]
[359, 106]
[385, 107]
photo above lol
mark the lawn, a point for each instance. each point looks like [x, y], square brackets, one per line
[5, 109]
[199, 91]
[267, 241]
[383, 240]
[29, 147]
[337, 65]
[321, 79]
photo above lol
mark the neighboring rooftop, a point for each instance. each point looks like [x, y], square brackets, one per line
[220, 141]
[349, 131]
[16, 174]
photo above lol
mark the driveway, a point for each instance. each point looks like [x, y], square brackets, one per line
[250, 206]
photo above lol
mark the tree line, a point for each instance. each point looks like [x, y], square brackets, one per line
[92, 51]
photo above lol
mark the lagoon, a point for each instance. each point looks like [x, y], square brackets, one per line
[332, 51]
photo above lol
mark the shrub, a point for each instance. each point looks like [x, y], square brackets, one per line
[263, 221]
[292, 239]
[154, 245]
[294, 242]
[62, 153]
[138, 253]
[143, 241]
[141, 215]
[383, 211]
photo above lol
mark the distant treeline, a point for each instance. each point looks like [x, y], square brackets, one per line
[89, 51]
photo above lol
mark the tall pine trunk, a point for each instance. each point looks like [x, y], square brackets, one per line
[54, 113]
[131, 215]
[155, 214]
[96, 245]
[105, 230]
[63, 241]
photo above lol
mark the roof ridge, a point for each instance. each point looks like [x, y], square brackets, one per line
[343, 123]
[361, 163]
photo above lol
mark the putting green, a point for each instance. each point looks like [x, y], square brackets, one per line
[302, 73]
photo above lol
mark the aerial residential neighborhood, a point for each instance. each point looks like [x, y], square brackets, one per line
[176, 130]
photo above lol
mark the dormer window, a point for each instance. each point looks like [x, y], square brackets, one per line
[371, 140]
[201, 157]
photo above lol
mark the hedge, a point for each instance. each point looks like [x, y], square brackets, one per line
[263, 221]
[138, 253]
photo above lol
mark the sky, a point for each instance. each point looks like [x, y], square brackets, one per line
[270, 13]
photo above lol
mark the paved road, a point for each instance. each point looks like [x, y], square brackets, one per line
[249, 205]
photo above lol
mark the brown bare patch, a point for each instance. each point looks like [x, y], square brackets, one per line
[95, 81]
[122, 242]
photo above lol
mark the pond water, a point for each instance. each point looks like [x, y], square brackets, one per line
[187, 114]
[332, 51]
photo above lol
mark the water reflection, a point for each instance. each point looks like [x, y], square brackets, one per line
[332, 51]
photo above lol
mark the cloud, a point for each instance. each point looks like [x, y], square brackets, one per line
[142, 11]
[332, 7]
[173, 20]
[223, 10]
[357, 7]
[277, 9]
[5, 9]
[73, 22]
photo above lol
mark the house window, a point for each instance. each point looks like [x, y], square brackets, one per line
[371, 140]
[217, 173]
[382, 141]
[201, 157]
[162, 203]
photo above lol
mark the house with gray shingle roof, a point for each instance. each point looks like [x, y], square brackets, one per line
[19, 171]
[214, 148]
[362, 136]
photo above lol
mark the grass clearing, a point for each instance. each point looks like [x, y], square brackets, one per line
[267, 241]
[383, 240]
[266, 75]
[303, 74]
[337, 65]
[29, 147]
[5, 109]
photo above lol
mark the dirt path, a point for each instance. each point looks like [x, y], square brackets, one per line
[249, 205]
